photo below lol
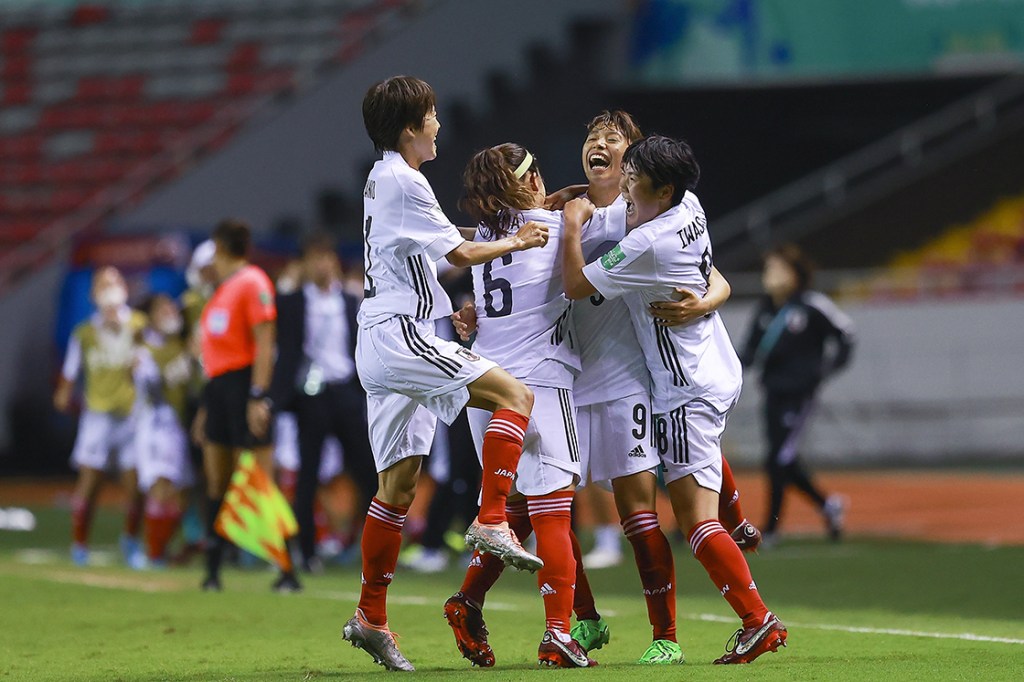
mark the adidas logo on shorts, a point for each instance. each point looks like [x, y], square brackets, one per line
[638, 451]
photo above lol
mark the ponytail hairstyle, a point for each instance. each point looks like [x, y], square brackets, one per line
[495, 191]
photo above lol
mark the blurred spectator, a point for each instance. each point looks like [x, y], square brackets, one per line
[163, 372]
[315, 377]
[798, 338]
[102, 351]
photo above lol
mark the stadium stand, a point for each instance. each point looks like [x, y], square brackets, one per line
[102, 102]
[986, 255]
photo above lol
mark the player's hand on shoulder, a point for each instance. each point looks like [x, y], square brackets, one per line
[531, 235]
[578, 211]
[464, 321]
[677, 313]
[557, 200]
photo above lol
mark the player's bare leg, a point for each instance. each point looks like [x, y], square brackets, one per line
[83, 505]
[511, 402]
[696, 508]
[382, 539]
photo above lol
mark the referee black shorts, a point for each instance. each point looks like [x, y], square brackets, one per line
[226, 398]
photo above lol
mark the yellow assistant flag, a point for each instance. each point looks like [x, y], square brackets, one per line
[255, 516]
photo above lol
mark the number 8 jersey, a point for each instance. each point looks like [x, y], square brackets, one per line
[404, 233]
[523, 317]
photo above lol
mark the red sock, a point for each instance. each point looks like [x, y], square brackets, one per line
[583, 598]
[657, 570]
[161, 522]
[730, 513]
[503, 444]
[81, 519]
[728, 570]
[288, 481]
[485, 569]
[133, 514]
[382, 538]
[551, 516]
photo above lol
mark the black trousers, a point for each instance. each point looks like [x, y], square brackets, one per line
[786, 416]
[456, 497]
[340, 410]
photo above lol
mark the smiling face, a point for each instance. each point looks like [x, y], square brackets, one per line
[644, 201]
[602, 155]
[421, 145]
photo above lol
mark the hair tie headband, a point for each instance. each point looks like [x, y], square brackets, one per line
[520, 171]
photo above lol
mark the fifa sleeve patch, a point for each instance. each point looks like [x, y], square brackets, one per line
[265, 297]
[613, 258]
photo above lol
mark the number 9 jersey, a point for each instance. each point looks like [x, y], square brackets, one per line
[523, 317]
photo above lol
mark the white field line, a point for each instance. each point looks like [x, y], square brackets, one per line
[148, 584]
[965, 636]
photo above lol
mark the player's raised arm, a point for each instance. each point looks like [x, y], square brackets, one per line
[531, 235]
[577, 212]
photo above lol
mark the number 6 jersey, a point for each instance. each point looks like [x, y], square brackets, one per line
[691, 362]
[523, 320]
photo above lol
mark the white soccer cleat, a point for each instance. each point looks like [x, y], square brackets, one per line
[501, 541]
[379, 642]
[602, 557]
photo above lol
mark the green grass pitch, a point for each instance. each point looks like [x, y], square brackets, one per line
[863, 610]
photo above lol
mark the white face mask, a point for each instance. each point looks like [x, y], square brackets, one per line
[170, 326]
[111, 297]
[287, 285]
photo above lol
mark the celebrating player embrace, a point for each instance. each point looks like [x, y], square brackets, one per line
[695, 373]
[411, 376]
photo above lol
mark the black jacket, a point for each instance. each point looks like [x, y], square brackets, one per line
[291, 335]
[797, 348]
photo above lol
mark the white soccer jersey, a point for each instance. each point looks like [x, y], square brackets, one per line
[523, 316]
[404, 233]
[695, 361]
[612, 362]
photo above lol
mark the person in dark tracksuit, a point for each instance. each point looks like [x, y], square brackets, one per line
[315, 377]
[797, 339]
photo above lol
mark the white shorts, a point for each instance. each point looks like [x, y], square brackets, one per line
[412, 377]
[286, 448]
[99, 435]
[162, 449]
[615, 439]
[551, 454]
[689, 440]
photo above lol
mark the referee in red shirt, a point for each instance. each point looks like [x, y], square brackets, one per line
[237, 347]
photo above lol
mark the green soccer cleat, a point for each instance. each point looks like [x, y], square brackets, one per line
[591, 634]
[662, 652]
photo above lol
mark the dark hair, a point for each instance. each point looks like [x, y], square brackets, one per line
[619, 120]
[666, 162]
[393, 105]
[234, 235]
[318, 242]
[494, 196]
[801, 264]
[151, 300]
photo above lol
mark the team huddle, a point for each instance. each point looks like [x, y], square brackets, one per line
[598, 359]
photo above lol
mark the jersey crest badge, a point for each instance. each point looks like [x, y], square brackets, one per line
[613, 258]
